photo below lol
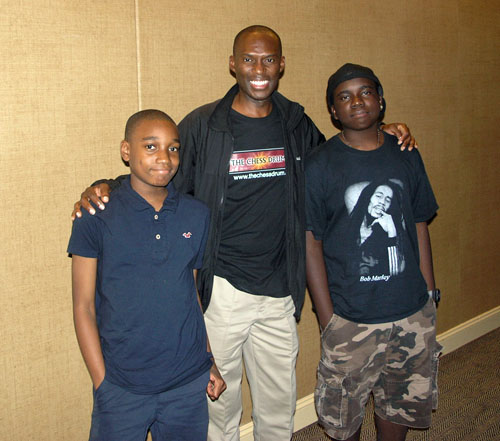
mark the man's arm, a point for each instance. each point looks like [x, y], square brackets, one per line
[402, 132]
[424, 246]
[317, 280]
[216, 384]
[84, 271]
[97, 195]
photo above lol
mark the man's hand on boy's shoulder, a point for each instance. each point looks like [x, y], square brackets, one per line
[97, 195]
[402, 132]
[216, 384]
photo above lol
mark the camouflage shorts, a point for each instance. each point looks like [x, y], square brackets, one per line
[397, 361]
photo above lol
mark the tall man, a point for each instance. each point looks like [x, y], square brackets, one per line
[244, 157]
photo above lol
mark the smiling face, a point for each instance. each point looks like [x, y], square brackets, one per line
[380, 201]
[356, 104]
[257, 64]
[152, 151]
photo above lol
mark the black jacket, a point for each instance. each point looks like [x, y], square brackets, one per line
[206, 148]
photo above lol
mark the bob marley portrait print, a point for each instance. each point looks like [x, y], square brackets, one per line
[376, 229]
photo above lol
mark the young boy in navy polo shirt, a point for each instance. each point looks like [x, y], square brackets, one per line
[136, 311]
[369, 269]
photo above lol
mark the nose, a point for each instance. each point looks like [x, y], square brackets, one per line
[163, 155]
[259, 67]
[357, 101]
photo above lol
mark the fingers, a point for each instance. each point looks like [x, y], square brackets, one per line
[407, 142]
[216, 385]
[405, 138]
[215, 388]
[104, 192]
[76, 211]
[92, 197]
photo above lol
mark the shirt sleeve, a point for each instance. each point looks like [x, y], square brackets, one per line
[424, 203]
[85, 240]
[315, 203]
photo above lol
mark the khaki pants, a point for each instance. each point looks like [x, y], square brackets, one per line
[262, 331]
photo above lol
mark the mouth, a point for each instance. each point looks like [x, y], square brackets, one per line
[162, 171]
[360, 114]
[259, 84]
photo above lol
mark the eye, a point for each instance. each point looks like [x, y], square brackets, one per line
[247, 59]
[366, 92]
[174, 148]
[270, 60]
[343, 98]
[150, 147]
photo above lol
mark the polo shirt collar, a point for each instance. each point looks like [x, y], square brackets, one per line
[138, 203]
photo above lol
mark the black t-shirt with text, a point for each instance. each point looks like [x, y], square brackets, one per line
[252, 253]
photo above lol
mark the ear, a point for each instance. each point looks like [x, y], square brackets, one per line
[125, 150]
[282, 64]
[231, 63]
[334, 114]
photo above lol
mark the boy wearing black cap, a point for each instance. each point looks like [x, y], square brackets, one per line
[369, 268]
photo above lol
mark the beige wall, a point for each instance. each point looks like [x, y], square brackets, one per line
[72, 72]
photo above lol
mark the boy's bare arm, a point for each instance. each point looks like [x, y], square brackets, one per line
[317, 280]
[216, 384]
[84, 272]
[424, 246]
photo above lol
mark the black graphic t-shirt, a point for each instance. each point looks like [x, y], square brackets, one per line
[252, 253]
[364, 207]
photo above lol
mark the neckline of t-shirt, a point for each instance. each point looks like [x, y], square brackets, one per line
[352, 150]
[237, 115]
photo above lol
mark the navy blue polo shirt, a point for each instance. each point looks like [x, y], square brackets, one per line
[151, 327]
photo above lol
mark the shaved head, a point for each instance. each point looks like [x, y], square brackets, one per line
[257, 29]
[149, 114]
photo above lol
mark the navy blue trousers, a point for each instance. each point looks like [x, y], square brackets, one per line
[180, 414]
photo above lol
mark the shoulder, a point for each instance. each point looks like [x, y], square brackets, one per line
[117, 202]
[193, 205]
[411, 157]
[291, 111]
[199, 115]
[115, 210]
[392, 143]
[203, 111]
[324, 151]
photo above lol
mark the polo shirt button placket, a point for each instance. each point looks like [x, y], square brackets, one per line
[156, 217]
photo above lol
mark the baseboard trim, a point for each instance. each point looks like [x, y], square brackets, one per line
[470, 330]
[452, 339]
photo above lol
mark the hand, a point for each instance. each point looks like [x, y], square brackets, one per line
[98, 195]
[387, 224]
[402, 132]
[216, 384]
[97, 383]
[324, 319]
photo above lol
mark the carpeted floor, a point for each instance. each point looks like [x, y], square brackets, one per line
[469, 399]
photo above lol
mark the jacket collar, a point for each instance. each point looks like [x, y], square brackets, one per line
[289, 111]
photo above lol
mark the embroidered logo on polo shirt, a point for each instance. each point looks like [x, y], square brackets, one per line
[187, 235]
